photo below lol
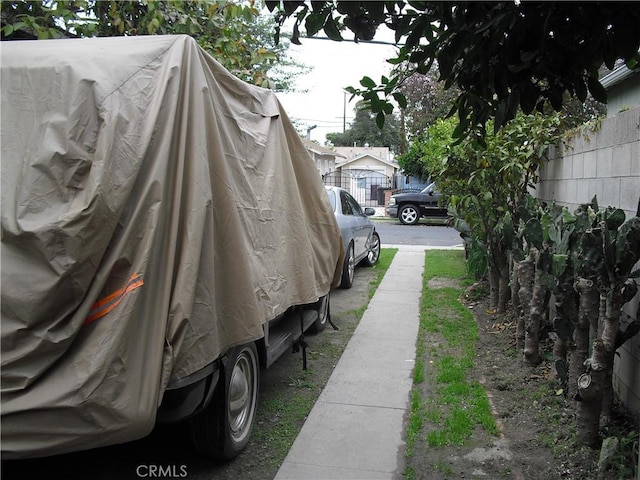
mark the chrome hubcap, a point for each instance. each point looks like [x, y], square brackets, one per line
[241, 395]
[352, 264]
[409, 215]
[374, 249]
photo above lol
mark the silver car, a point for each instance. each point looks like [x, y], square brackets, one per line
[359, 236]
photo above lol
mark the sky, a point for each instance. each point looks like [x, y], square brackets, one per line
[335, 65]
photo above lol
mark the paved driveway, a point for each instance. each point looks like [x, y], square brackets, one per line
[393, 232]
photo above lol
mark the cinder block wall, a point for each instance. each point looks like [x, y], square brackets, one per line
[605, 163]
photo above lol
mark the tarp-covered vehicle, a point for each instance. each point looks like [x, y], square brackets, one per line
[164, 233]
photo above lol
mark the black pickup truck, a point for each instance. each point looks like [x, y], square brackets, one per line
[410, 207]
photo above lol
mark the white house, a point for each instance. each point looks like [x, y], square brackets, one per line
[365, 172]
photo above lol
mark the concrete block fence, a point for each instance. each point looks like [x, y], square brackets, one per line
[606, 163]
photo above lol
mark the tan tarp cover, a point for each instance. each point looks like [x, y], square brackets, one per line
[155, 212]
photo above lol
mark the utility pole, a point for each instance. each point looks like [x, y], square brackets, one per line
[344, 111]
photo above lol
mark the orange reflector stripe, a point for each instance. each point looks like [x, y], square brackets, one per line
[111, 301]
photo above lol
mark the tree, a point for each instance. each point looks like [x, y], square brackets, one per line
[364, 131]
[427, 101]
[489, 184]
[236, 34]
[429, 145]
[503, 56]
[428, 152]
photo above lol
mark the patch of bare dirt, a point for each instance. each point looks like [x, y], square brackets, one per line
[537, 439]
[443, 282]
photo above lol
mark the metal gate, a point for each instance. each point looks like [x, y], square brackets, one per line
[366, 186]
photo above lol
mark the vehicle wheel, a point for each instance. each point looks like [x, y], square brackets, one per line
[408, 215]
[374, 251]
[323, 315]
[222, 430]
[349, 268]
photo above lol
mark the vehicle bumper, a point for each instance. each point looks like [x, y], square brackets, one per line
[188, 396]
[392, 211]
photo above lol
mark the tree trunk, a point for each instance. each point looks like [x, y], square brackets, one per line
[609, 331]
[617, 297]
[590, 394]
[606, 415]
[517, 306]
[566, 303]
[566, 311]
[494, 287]
[498, 272]
[601, 365]
[504, 291]
[588, 310]
[561, 350]
[536, 311]
[525, 279]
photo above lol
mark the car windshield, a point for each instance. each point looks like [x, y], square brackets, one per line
[429, 188]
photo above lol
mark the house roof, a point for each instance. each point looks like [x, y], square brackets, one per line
[618, 76]
[319, 149]
[352, 152]
[363, 155]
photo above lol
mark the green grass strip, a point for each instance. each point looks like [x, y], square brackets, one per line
[456, 405]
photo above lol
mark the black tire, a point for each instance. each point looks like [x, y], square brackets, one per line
[348, 268]
[373, 255]
[323, 315]
[222, 430]
[409, 214]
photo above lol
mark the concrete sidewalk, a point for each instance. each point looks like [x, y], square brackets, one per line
[355, 429]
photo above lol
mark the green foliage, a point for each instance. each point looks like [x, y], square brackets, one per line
[624, 463]
[562, 239]
[428, 153]
[236, 34]
[364, 130]
[608, 247]
[477, 260]
[533, 232]
[489, 183]
[411, 162]
[503, 56]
